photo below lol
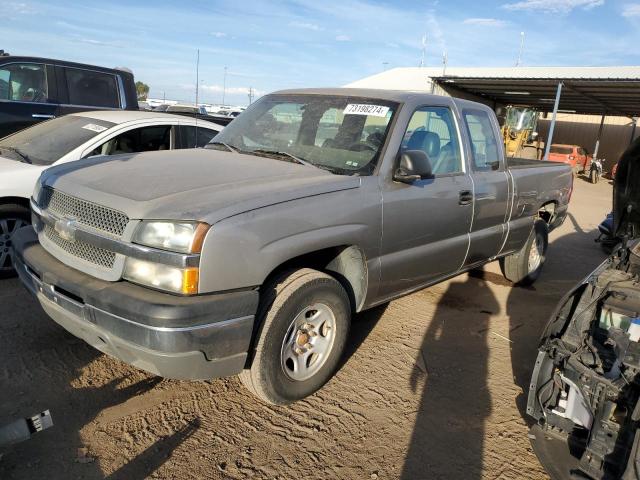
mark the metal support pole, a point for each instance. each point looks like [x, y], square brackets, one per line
[633, 130]
[553, 122]
[597, 147]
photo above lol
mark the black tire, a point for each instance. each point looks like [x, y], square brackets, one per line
[515, 267]
[11, 216]
[593, 176]
[283, 300]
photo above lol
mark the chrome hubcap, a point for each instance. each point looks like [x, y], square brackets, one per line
[535, 254]
[308, 342]
[8, 226]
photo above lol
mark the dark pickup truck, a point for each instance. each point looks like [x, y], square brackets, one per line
[251, 256]
[34, 89]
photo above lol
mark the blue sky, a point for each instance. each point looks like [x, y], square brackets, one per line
[300, 43]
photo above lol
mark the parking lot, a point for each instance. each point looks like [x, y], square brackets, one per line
[431, 387]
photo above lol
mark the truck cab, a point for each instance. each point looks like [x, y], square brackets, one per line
[34, 89]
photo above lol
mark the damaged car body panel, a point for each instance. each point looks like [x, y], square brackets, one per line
[586, 381]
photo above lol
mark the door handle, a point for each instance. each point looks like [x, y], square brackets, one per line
[42, 115]
[465, 198]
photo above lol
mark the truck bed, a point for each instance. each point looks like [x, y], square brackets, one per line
[516, 163]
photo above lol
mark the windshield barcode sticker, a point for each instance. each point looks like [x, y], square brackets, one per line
[94, 128]
[362, 109]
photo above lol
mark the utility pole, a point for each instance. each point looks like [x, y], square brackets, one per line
[197, 75]
[519, 61]
[445, 60]
[224, 85]
[250, 95]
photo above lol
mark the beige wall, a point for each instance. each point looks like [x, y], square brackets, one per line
[583, 129]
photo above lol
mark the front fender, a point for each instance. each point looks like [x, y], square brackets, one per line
[241, 251]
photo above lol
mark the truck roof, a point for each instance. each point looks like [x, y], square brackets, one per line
[19, 58]
[390, 95]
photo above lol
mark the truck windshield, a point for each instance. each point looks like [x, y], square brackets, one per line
[48, 141]
[344, 135]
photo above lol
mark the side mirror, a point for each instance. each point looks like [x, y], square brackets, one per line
[414, 165]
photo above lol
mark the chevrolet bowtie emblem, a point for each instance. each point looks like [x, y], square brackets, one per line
[66, 228]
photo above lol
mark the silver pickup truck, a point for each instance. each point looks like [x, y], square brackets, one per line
[250, 256]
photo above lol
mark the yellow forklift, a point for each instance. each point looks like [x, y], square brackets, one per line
[519, 132]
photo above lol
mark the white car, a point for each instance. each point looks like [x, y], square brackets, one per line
[25, 154]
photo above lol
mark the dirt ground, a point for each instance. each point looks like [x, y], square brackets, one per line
[431, 388]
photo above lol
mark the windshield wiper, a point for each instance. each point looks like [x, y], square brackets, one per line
[228, 147]
[295, 158]
[22, 156]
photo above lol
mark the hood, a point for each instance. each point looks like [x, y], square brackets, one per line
[9, 165]
[198, 184]
[626, 194]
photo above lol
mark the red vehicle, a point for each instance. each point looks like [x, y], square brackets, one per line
[573, 155]
[613, 171]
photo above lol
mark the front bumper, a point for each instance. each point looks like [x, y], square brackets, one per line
[201, 337]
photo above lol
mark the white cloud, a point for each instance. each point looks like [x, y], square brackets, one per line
[343, 38]
[631, 10]
[305, 25]
[218, 34]
[553, 6]
[485, 22]
[19, 8]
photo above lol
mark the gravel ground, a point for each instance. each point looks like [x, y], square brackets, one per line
[431, 387]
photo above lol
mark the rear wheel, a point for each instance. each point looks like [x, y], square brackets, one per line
[304, 324]
[524, 267]
[12, 218]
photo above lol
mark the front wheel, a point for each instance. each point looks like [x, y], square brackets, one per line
[304, 324]
[12, 218]
[594, 176]
[524, 267]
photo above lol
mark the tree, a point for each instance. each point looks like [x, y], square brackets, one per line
[142, 89]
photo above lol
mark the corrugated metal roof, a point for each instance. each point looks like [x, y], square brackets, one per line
[586, 90]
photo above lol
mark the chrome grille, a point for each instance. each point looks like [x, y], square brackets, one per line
[86, 213]
[82, 250]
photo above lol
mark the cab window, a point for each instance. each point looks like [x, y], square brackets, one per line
[24, 82]
[94, 89]
[145, 139]
[195, 137]
[432, 130]
[484, 147]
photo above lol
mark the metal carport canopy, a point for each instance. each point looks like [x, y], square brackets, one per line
[585, 90]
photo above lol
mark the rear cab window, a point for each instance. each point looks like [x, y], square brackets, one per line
[91, 88]
[561, 150]
[485, 150]
[24, 82]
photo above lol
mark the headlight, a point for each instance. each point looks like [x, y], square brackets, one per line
[162, 277]
[182, 237]
[36, 192]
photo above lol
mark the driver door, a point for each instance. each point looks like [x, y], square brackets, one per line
[426, 224]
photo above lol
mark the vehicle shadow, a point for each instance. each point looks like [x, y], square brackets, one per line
[42, 366]
[147, 462]
[361, 326]
[448, 435]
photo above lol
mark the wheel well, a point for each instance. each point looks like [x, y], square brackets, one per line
[346, 263]
[547, 212]
[24, 202]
